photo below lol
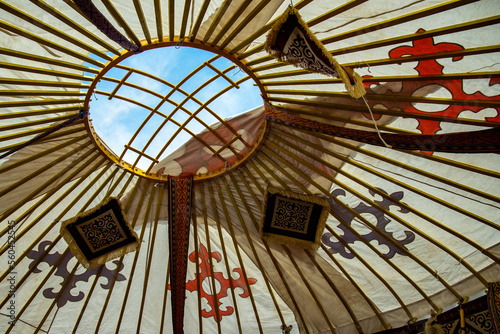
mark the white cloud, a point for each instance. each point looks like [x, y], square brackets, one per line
[117, 120]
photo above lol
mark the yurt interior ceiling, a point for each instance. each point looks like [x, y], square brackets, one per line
[265, 166]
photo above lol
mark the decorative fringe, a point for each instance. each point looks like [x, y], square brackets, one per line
[303, 197]
[290, 241]
[347, 75]
[77, 252]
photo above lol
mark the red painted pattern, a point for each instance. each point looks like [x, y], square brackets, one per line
[426, 46]
[217, 309]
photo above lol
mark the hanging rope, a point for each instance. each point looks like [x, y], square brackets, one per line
[373, 118]
[81, 115]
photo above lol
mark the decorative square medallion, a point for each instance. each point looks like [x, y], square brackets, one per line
[99, 235]
[291, 215]
[293, 219]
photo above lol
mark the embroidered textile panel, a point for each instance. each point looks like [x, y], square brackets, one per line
[180, 199]
[293, 219]
[99, 235]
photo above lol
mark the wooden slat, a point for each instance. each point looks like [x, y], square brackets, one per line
[44, 71]
[43, 83]
[353, 282]
[229, 23]
[120, 83]
[389, 97]
[236, 248]
[158, 20]
[199, 19]
[53, 31]
[269, 251]
[49, 120]
[484, 22]
[377, 79]
[171, 19]
[141, 153]
[141, 205]
[243, 223]
[217, 18]
[38, 93]
[142, 20]
[151, 248]
[44, 102]
[49, 60]
[35, 38]
[381, 209]
[246, 20]
[260, 32]
[417, 191]
[213, 287]
[403, 114]
[222, 74]
[63, 18]
[121, 22]
[185, 15]
[216, 218]
[334, 12]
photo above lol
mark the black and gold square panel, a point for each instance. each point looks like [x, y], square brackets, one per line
[99, 235]
[293, 219]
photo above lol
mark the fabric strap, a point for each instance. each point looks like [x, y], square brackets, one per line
[82, 114]
[180, 199]
[101, 22]
[484, 141]
[494, 304]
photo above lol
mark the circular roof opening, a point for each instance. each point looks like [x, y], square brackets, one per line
[176, 111]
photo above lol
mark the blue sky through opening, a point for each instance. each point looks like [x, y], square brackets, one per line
[116, 120]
